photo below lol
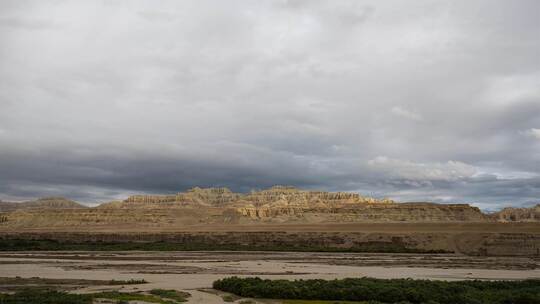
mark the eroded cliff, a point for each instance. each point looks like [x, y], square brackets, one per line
[518, 214]
[277, 205]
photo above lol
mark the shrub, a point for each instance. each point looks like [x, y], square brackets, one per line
[171, 294]
[387, 291]
[228, 298]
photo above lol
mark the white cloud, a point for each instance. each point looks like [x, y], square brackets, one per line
[401, 112]
[408, 170]
[533, 132]
[511, 89]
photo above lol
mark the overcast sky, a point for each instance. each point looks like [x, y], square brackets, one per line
[412, 100]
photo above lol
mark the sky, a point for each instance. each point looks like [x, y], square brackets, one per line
[410, 100]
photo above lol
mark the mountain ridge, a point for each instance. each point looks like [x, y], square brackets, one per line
[44, 203]
[276, 205]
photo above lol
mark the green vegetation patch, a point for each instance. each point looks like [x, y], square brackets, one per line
[41, 296]
[35, 296]
[228, 298]
[326, 302]
[387, 291]
[176, 295]
[10, 284]
[127, 282]
[53, 245]
[123, 296]
[81, 282]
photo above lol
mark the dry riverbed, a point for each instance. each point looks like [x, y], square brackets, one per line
[194, 272]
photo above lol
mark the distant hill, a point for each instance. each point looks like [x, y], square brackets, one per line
[41, 203]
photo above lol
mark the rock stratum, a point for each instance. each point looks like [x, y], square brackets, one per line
[518, 214]
[280, 217]
[277, 205]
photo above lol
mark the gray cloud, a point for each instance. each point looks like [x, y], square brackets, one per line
[120, 97]
[27, 24]
[449, 171]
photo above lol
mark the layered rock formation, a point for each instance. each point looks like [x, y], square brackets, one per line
[279, 217]
[278, 200]
[518, 214]
[195, 196]
[288, 201]
[217, 206]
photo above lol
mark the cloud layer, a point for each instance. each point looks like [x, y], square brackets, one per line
[414, 101]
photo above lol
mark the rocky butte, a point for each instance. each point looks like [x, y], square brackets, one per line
[289, 204]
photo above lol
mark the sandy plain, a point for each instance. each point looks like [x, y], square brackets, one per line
[194, 272]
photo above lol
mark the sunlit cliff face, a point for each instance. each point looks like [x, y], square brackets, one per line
[413, 101]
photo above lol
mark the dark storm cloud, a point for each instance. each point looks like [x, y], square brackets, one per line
[415, 101]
